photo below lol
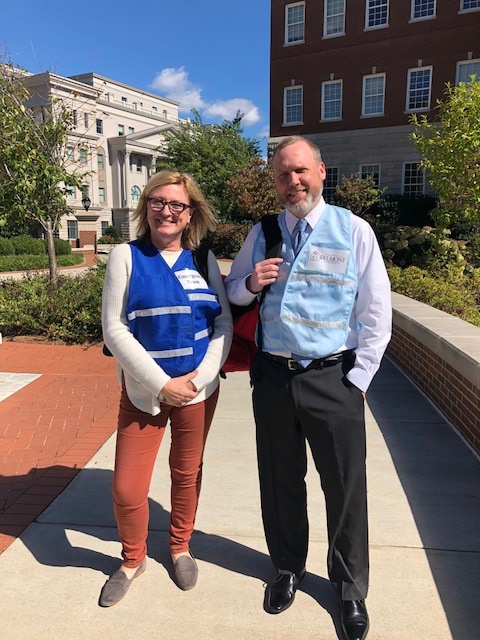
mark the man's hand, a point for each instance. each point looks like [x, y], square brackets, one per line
[264, 273]
[179, 391]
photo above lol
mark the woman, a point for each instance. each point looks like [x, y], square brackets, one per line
[170, 332]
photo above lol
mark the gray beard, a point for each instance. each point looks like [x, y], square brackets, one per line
[302, 208]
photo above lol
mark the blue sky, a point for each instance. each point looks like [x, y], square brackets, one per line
[211, 55]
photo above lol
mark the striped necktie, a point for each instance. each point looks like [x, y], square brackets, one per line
[300, 235]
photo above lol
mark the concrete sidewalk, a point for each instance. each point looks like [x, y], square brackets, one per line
[424, 505]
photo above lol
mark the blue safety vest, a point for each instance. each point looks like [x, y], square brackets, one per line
[170, 311]
[307, 310]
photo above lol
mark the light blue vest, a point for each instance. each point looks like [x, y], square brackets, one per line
[307, 310]
[170, 311]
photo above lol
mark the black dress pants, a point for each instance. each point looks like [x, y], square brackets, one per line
[321, 406]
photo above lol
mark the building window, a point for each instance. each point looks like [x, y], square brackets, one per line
[105, 224]
[295, 23]
[413, 179]
[293, 105]
[419, 88]
[85, 120]
[334, 18]
[101, 194]
[330, 184]
[100, 160]
[135, 193]
[72, 229]
[99, 126]
[470, 5]
[372, 171]
[332, 100]
[165, 114]
[124, 100]
[74, 117]
[70, 193]
[373, 95]
[70, 154]
[121, 129]
[139, 164]
[85, 191]
[82, 156]
[131, 130]
[376, 14]
[465, 70]
[154, 109]
[423, 9]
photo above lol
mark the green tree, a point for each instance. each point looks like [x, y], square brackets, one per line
[33, 174]
[450, 148]
[212, 153]
[357, 194]
[253, 190]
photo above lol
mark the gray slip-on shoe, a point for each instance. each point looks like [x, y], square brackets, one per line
[117, 586]
[185, 572]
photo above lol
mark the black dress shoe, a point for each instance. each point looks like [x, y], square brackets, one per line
[354, 619]
[280, 593]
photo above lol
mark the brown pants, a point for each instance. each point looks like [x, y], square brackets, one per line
[138, 440]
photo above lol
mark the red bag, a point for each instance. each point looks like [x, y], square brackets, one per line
[243, 347]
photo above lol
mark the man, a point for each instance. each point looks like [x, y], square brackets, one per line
[325, 324]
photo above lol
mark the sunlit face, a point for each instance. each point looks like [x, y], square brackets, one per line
[166, 227]
[298, 178]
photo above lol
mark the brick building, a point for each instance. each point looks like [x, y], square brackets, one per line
[349, 73]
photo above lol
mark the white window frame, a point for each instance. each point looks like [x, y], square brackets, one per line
[288, 26]
[427, 17]
[71, 195]
[327, 31]
[409, 193]
[72, 229]
[121, 129]
[100, 163]
[135, 193]
[363, 172]
[70, 153]
[464, 63]
[371, 8]
[469, 9]
[286, 91]
[99, 125]
[325, 84]
[326, 184]
[409, 109]
[101, 194]
[364, 95]
[82, 155]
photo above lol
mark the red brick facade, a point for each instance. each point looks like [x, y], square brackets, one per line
[457, 398]
[443, 41]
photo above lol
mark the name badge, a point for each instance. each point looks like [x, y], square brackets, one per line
[326, 259]
[190, 279]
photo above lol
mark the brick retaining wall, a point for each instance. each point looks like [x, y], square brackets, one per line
[441, 354]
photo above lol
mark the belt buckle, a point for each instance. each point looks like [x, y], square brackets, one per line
[291, 364]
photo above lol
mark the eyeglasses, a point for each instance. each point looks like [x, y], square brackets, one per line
[159, 204]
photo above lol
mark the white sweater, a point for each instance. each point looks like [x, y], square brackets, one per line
[144, 379]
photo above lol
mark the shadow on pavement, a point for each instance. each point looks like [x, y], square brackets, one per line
[440, 476]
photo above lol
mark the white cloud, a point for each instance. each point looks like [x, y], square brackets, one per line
[227, 109]
[264, 133]
[175, 84]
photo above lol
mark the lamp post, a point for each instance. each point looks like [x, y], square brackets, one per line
[86, 202]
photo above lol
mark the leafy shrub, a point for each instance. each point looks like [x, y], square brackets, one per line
[71, 312]
[456, 293]
[34, 263]
[426, 248]
[109, 240]
[471, 251]
[228, 238]
[7, 248]
[62, 247]
[26, 245]
[112, 233]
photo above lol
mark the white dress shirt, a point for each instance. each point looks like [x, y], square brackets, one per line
[371, 319]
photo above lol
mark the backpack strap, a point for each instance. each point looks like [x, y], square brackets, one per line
[273, 240]
[200, 258]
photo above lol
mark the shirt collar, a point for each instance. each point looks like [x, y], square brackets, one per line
[312, 216]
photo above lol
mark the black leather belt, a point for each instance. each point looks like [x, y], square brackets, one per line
[319, 363]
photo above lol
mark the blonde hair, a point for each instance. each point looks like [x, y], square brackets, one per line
[202, 221]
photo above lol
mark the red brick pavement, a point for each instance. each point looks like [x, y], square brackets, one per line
[52, 427]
